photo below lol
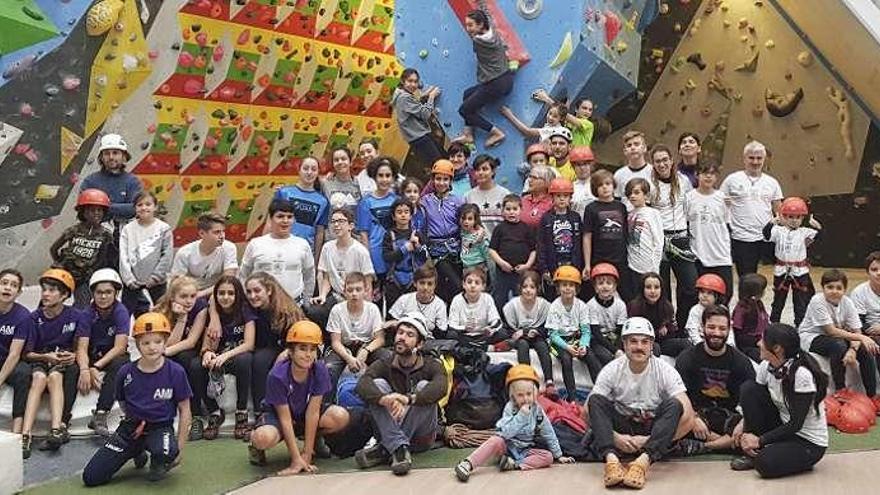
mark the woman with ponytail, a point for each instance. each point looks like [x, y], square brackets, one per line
[784, 430]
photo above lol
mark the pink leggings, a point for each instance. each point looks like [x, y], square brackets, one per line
[496, 446]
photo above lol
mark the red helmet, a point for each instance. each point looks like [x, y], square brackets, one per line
[794, 206]
[604, 269]
[710, 281]
[561, 186]
[92, 197]
[535, 148]
[581, 154]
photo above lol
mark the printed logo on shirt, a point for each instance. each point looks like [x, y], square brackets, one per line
[715, 383]
[111, 330]
[611, 225]
[85, 248]
[68, 327]
[305, 212]
[163, 394]
[7, 329]
[127, 381]
[563, 235]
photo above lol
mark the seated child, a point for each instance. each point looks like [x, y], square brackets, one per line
[355, 328]
[651, 304]
[16, 327]
[525, 438]
[473, 317]
[866, 297]
[293, 406]
[607, 310]
[525, 315]
[750, 319]
[424, 301]
[151, 391]
[102, 345]
[710, 291]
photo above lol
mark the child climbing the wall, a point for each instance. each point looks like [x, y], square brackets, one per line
[85, 246]
[579, 124]
[750, 319]
[494, 77]
[374, 217]
[145, 256]
[525, 438]
[792, 268]
[474, 238]
[555, 117]
[414, 110]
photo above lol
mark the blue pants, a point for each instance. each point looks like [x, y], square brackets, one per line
[158, 439]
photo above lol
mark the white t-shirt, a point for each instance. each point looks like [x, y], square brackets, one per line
[567, 322]
[638, 395]
[791, 247]
[750, 204]
[289, 260]
[708, 217]
[815, 428]
[355, 328]
[434, 312]
[867, 303]
[673, 215]
[490, 203]
[820, 313]
[582, 196]
[365, 183]
[205, 269]
[337, 263]
[609, 318]
[519, 318]
[474, 319]
[623, 175]
[694, 326]
[644, 245]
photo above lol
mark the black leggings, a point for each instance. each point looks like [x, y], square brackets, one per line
[240, 366]
[264, 360]
[20, 381]
[448, 278]
[685, 293]
[785, 457]
[802, 291]
[746, 255]
[539, 344]
[184, 358]
[107, 394]
[834, 349]
[477, 97]
[595, 359]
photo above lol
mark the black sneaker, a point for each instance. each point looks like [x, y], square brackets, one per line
[256, 456]
[463, 470]
[65, 433]
[141, 460]
[53, 441]
[157, 472]
[322, 451]
[506, 463]
[197, 430]
[401, 462]
[26, 446]
[743, 463]
[373, 456]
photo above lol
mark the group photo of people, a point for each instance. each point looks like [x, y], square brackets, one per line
[378, 303]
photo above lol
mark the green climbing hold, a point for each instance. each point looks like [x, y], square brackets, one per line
[423, 53]
[33, 14]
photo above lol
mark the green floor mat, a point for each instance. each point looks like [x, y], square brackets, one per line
[221, 465]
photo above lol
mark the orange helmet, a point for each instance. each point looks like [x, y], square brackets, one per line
[535, 148]
[59, 275]
[567, 273]
[712, 282]
[604, 269]
[581, 154]
[521, 372]
[150, 323]
[794, 206]
[443, 167]
[304, 332]
[92, 197]
[561, 186]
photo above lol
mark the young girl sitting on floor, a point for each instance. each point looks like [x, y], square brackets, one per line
[525, 315]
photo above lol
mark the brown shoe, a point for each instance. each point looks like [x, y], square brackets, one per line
[215, 421]
[241, 425]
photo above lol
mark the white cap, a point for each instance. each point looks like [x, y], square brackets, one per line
[105, 275]
[637, 325]
[113, 142]
[417, 321]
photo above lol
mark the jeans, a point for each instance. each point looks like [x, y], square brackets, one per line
[790, 456]
[477, 97]
[336, 365]
[157, 439]
[136, 301]
[240, 366]
[834, 349]
[605, 420]
[504, 287]
[747, 255]
[802, 291]
[417, 430]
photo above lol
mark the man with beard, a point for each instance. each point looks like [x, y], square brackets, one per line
[713, 372]
[402, 392]
[637, 408]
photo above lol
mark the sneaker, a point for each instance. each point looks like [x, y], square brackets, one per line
[241, 425]
[401, 462]
[687, 447]
[99, 423]
[215, 421]
[506, 463]
[158, 472]
[256, 456]
[140, 460]
[197, 429]
[322, 451]
[463, 470]
[65, 434]
[372, 456]
[26, 441]
[53, 441]
[743, 463]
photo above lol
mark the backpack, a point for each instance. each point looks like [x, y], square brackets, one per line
[478, 392]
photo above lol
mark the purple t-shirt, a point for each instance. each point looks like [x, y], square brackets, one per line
[17, 324]
[233, 334]
[102, 331]
[56, 334]
[152, 397]
[282, 389]
[200, 305]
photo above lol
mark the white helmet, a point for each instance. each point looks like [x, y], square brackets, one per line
[417, 321]
[637, 325]
[105, 275]
[113, 142]
[562, 132]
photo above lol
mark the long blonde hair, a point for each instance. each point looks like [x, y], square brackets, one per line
[177, 285]
[284, 310]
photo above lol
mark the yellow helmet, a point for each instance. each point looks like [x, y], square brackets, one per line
[443, 167]
[521, 372]
[151, 323]
[59, 275]
[567, 273]
[304, 332]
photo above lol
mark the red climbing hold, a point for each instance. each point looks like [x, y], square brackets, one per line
[612, 27]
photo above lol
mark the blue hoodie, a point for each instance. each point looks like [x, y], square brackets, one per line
[121, 188]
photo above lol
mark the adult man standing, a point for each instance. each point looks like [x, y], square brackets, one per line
[753, 197]
[713, 373]
[638, 407]
[560, 146]
[402, 392]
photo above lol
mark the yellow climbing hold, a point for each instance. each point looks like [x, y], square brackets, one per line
[102, 16]
[564, 53]
[70, 144]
